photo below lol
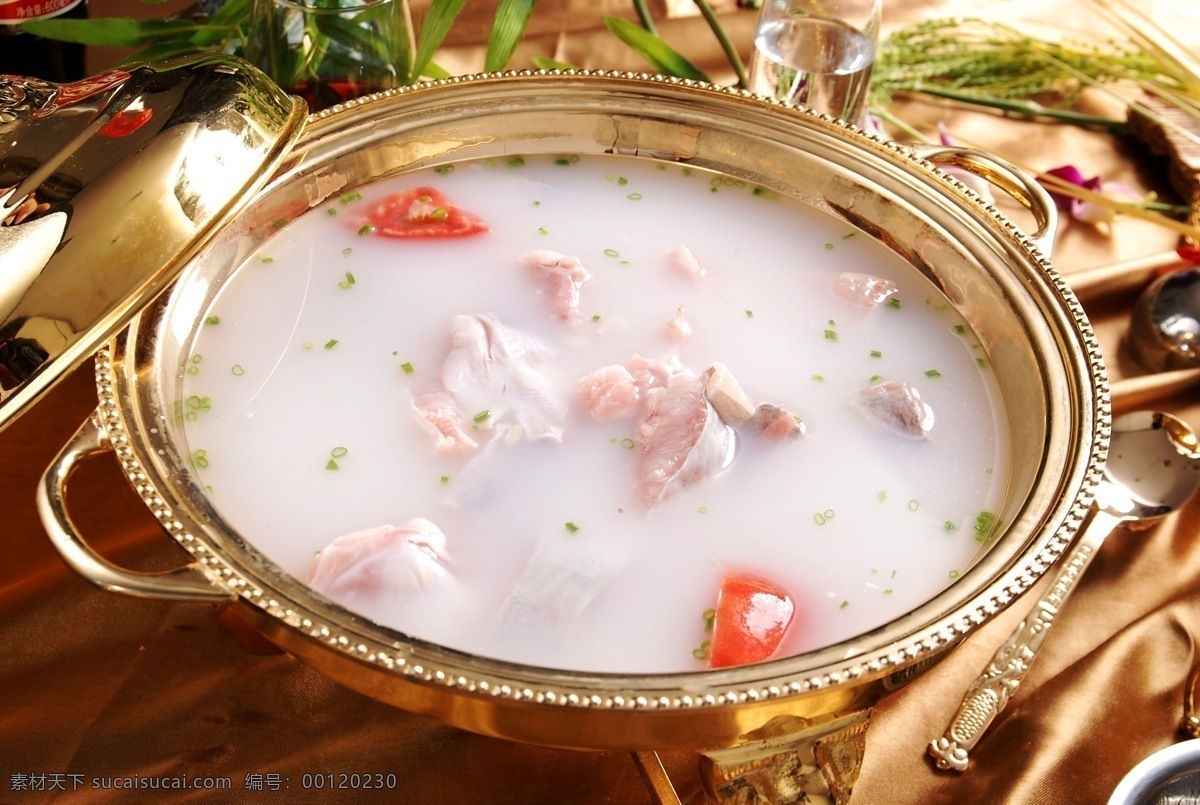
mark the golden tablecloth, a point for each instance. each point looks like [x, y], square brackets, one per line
[95, 686]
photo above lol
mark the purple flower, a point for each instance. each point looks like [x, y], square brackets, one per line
[1091, 212]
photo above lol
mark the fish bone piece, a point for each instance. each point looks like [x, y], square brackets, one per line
[683, 439]
[727, 396]
[560, 278]
[899, 406]
[863, 290]
[383, 560]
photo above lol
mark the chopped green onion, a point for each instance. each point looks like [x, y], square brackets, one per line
[332, 465]
[848, 235]
[985, 524]
[831, 335]
[346, 251]
[621, 180]
[954, 574]
[543, 230]
[482, 416]
[306, 345]
[894, 303]
[571, 527]
[331, 343]
[366, 229]
[200, 458]
[950, 527]
[515, 162]
[439, 214]
[960, 329]
[844, 605]
[407, 367]
[445, 479]
[628, 443]
[595, 318]
[338, 452]
[828, 245]
[913, 505]
[708, 616]
[874, 378]
[634, 197]
[348, 282]
[749, 314]
[701, 653]
[355, 196]
[331, 211]
[932, 373]
[876, 353]
[238, 370]
[819, 378]
[444, 169]
[213, 320]
[268, 259]
[611, 253]
[887, 591]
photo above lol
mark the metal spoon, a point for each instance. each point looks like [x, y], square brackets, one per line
[1164, 329]
[1152, 470]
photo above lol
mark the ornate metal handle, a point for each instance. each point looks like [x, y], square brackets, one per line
[991, 690]
[1006, 176]
[187, 583]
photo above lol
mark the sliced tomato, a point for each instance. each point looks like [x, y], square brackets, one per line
[423, 213]
[752, 616]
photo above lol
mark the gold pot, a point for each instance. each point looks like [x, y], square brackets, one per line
[796, 722]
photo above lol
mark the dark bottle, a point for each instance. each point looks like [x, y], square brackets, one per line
[23, 53]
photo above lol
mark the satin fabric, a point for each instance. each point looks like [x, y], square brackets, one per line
[99, 687]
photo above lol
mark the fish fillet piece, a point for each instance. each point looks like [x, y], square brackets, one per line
[439, 416]
[686, 262]
[609, 392]
[863, 290]
[560, 279]
[384, 559]
[899, 406]
[683, 439]
[561, 579]
[618, 390]
[495, 369]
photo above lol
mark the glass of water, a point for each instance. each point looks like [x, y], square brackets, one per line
[817, 54]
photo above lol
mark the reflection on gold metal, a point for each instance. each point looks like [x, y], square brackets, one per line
[808, 712]
[657, 782]
[110, 185]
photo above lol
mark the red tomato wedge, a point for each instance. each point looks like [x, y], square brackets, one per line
[752, 616]
[422, 213]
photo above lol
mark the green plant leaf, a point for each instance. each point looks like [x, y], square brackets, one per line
[434, 70]
[542, 63]
[438, 19]
[664, 58]
[112, 31]
[507, 29]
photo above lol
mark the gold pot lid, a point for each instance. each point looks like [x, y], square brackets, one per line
[107, 187]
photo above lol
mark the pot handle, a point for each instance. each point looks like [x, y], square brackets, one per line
[187, 583]
[1012, 180]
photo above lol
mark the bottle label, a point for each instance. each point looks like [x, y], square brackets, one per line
[13, 12]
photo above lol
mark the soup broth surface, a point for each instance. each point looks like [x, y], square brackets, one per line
[299, 390]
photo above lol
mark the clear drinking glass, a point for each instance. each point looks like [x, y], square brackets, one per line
[817, 54]
[329, 51]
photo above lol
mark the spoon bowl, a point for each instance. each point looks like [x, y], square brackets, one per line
[1164, 329]
[1153, 469]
